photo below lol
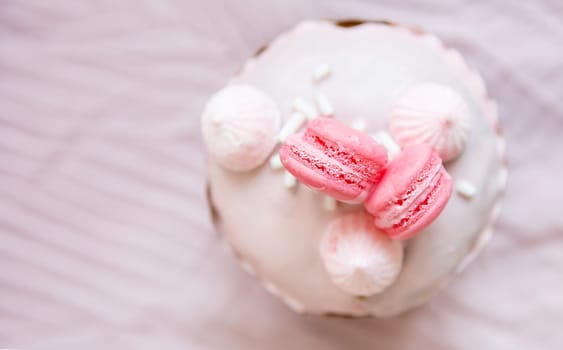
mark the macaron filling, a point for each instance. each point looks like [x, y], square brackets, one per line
[413, 192]
[326, 165]
[366, 169]
[319, 171]
[335, 159]
[419, 208]
[397, 210]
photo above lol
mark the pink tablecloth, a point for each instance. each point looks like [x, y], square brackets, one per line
[105, 242]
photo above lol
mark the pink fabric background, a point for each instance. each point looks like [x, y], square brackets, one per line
[105, 241]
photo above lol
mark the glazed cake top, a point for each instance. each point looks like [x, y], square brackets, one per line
[360, 70]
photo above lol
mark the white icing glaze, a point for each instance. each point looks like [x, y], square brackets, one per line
[360, 259]
[239, 126]
[396, 58]
[434, 114]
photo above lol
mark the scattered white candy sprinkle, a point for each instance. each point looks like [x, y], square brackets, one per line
[301, 105]
[324, 105]
[321, 72]
[275, 162]
[289, 180]
[387, 141]
[466, 189]
[293, 124]
[359, 124]
[329, 203]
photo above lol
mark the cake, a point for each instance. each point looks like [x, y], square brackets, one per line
[402, 88]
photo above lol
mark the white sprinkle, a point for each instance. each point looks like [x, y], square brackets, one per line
[329, 203]
[359, 124]
[324, 105]
[301, 105]
[465, 189]
[387, 141]
[321, 72]
[293, 124]
[289, 180]
[275, 162]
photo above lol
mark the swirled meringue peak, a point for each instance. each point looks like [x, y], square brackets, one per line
[240, 124]
[360, 259]
[434, 114]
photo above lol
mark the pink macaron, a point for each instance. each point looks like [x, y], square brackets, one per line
[411, 194]
[335, 159]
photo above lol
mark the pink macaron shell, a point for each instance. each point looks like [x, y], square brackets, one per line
[357, 151]
[413, 192]
[324, 180]
[399, 176]
[354, 140]
[354, 148]
[429, 212]
[333, 158]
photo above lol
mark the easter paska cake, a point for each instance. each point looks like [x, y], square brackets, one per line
[354, 167]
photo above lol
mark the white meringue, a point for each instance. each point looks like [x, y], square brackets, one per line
[240, 124]
[434, 114]
[360, 259]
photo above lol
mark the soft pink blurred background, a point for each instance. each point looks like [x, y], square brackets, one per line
[105, 241]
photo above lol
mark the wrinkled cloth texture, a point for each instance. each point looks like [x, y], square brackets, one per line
[105, 238]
